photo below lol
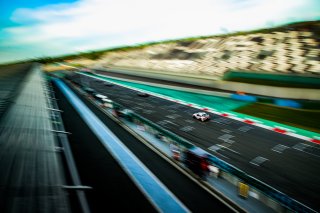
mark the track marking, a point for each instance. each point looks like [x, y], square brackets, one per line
[302, 146]
[223, 120]
[173, 116]
[165, 122]
[245, 128]
[189, 121]
[258, 160]
[137, 108]
[187, 128]
[226, 130]
[226, 138]
[279, 148]
[148, 111]
[227, 148]
[215, 149]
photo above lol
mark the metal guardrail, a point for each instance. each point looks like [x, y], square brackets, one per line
[282, 198]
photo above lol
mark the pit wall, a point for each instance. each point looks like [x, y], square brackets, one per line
[285, 78]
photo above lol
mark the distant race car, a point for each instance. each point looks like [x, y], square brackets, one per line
[99, 96]
[108, 84]
[89, 90]
[201, 116]
[143, 94]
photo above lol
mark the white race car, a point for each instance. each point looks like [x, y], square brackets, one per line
[201, 116]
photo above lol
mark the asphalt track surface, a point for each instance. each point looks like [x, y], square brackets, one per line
[112, 188]
[291, 165]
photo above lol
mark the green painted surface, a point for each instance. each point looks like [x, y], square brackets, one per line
[299, 118]
[209, 101]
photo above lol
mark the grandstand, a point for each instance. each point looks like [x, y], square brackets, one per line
[292, 49]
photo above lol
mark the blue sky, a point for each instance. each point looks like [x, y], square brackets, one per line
[34, 28]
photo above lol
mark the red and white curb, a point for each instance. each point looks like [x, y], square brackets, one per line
[250, 121]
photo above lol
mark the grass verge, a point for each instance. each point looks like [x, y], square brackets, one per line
[300, 118]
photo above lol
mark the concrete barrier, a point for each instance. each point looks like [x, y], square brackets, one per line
[213, 82]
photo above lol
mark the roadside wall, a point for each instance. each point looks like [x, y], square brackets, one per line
[279, 92]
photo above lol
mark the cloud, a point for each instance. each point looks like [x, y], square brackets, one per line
[98, 24]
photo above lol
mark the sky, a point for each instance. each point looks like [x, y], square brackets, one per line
[42, 28]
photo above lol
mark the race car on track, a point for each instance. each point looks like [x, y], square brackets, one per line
[201, 116]
[143, 94]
